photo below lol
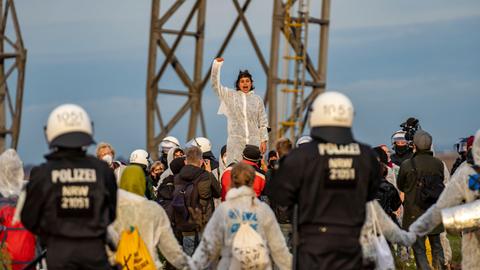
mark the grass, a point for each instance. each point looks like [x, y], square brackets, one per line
[456, 246]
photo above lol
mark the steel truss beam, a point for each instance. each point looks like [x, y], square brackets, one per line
[13, 56]
[317, 73]
[196, 83]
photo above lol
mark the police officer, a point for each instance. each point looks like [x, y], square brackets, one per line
[330, 178]
[401, 146]
[71, 198]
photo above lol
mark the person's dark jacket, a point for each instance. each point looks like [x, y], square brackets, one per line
[457, 163]
[207, 187]
[388, 197]
[55, 205]
[425, 163]
[398, 159]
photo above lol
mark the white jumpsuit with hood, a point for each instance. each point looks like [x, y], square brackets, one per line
[246, 117]
[454, 194]
[219, 232]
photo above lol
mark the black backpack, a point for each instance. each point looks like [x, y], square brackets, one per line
[428, 188]
[184, 196]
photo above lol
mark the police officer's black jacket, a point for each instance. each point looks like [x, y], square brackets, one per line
[331, 183]
[71, 195]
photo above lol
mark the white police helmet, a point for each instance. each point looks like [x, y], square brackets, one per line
[168, 143]
[141, 157]
[332, 109]
[69, 125]
[203, 143]
[331, 117]
[303, 139]
[398, 135]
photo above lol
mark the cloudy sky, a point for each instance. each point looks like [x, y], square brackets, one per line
[394, 59]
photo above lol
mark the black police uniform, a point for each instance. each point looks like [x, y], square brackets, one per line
[331, 184]
[71, 199]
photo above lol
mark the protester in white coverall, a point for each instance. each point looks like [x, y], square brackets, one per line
[245, 112]
[241, 205]
[455, 193]
[133, 209]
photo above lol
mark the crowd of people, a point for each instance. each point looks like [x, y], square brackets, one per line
[326, 201]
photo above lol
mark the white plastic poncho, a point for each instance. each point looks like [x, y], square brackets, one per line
[153, 225]
[221, 228]
[11, 173]
[454, 194]
[246, 117]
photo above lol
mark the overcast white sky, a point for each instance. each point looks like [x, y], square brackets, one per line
[393, 58]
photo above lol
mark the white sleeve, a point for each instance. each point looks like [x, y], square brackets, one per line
[212, 241]
[168, 244]
[263, 121]
[389, 229]
[220, 90]
[276, 242]
[446, 174]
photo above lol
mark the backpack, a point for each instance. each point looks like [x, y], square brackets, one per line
[249, 248]
[185, 197]
[428, 188]
[132, 253]
[17, 241]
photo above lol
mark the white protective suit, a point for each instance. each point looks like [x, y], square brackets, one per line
[153, 225]
[11, 174]
[387, 227]
[218, 236]
[455, 193]
[246, 117]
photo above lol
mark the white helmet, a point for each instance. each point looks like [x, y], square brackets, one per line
[69, 125]
[140, 156]
[203, 143]
[168, 143]
[331, 109]
[398, 135]
[303, 139]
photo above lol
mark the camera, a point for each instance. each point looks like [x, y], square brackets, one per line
[410, 127]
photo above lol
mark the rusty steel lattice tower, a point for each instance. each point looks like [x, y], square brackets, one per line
[12, 75]
[293, 29]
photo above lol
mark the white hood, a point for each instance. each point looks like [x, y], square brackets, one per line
[11, 173]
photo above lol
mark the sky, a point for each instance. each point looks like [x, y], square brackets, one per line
[394, 59]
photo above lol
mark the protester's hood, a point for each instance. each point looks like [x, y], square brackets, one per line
[240, 192]
[170, 155]
[11, 173]
[476, 148]
[177, 164]
[189, 173]
[133, 180]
